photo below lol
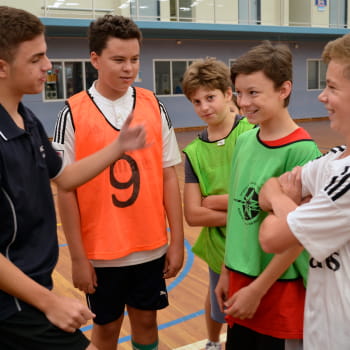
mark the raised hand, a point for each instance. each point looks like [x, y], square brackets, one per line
[131, 138]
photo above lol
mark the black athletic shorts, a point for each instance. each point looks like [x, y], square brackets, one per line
[243, 338]
[140, 286]
[29, 329]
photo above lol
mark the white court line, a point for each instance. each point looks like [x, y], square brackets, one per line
[200, 344]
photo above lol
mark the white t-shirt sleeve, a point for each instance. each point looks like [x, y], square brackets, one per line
[322, 225]
[64, 137]
[308, 172]
[171, 153]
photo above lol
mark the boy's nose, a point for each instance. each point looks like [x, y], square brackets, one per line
[48, 64]
[127, 65]
[243, 101]
[204, 106]
[322, 96]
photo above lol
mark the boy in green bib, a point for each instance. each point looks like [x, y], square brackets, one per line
[263, 295]
[207, 85]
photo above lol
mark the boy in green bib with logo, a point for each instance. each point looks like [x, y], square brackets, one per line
[263, 295]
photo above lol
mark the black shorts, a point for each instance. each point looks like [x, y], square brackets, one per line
[243, 338]
[29, 329]
[140, 286]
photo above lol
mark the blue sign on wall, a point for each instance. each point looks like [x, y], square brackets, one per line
[321, 2]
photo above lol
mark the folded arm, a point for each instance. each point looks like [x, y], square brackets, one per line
[275, 235]
[199, 211]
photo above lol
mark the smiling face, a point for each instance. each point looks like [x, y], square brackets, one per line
[212, 106]
[336, 97]
[258, 98]
[26, 73]
[117, 66]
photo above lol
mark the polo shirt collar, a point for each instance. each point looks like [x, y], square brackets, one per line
[8, 128]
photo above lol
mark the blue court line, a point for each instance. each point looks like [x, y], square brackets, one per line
[168, 324]
[179, 279]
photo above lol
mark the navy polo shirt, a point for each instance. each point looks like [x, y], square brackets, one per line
[28, 235]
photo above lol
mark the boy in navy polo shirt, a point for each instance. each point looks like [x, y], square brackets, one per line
[31, 316]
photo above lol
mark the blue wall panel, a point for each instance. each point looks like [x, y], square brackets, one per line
[304, 104]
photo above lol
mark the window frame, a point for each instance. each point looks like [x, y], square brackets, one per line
[321, 78]
[63, 63]
[171, 74]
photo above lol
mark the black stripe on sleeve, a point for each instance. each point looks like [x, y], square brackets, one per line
[162, 107]
[60, 126]
[339, 185]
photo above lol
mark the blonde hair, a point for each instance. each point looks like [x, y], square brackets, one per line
[339, 50]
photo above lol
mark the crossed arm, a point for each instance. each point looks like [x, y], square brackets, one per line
[279, 197]
[210, 211]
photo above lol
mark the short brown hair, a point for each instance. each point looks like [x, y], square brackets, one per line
[338, 50]
[110, 26]
[275, 61]
[16, 26]
[208, 73]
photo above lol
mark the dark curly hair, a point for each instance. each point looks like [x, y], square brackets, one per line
[110, 26]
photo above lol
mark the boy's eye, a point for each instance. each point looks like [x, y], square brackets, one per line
[210, 98]
[253, 93]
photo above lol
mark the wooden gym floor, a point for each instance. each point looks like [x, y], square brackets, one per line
[182, 324]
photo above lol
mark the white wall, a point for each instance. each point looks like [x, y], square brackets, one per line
[275, 12]
[299, 13]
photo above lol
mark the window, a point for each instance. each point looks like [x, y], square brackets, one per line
[316, 75]
[66, 78]
[181, 10]
[338, 14]
[168, 76]
[249, 11]
[145, 9]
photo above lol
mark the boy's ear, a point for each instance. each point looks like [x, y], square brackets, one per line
[286, 89]
[229, 93]
[3, 68]
[94, 59]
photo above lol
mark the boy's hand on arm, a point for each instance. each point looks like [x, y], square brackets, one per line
[267, 192]
[196, 213]
[221, 289]
[291, 184]
[216, 202]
